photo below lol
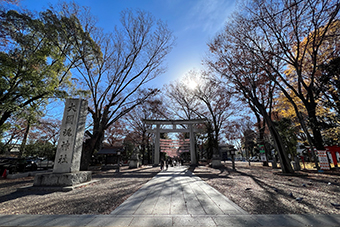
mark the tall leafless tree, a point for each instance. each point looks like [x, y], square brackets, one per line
[286, 40]
[239, 67]
[120, 65]
[151, 109]
[207, 100]
[180, 99]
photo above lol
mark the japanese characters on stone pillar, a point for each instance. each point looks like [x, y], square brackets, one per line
[71, 137]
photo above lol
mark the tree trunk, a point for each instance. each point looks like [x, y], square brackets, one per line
[314, 124]
[24, 140]
[143, 152]
[143, 147]
[284, 161]
[210, 148]
[4, 118]
[310, 140]
[148, 151]
[85, 155]
[261, 140]
[92, 144]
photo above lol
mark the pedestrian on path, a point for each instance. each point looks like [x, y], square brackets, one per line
[162, 164]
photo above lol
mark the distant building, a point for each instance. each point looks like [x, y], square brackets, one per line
[15, 149]
[111, 154]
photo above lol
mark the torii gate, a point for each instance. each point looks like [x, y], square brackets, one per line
[158, 130]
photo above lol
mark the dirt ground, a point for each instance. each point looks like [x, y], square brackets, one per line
[263, 190]
[103, 197]
[256, 189]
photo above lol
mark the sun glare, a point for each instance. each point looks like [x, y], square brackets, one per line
[192, 84]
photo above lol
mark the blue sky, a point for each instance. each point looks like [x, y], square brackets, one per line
[193, 22]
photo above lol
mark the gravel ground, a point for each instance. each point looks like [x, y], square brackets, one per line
[262, 190]
[256, 189]
[100, 198]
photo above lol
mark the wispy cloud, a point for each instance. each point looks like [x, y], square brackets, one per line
[209, 15]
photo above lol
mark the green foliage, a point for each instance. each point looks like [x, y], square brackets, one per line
[41, 149]
[129, 147]
[164, 136]
[211, 141]
[36, 61]
[28, 70]
[3, 148]
[287, 131]
[329, 85]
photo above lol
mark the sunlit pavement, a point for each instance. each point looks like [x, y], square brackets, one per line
[174, 197]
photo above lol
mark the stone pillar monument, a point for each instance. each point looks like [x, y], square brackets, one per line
[67, 161]
[134, 161]
[216, 160]
[71, 137]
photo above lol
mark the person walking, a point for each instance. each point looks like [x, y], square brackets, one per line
[162, 164]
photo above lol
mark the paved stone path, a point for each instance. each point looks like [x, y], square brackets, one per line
[174, 197]
[177, 191]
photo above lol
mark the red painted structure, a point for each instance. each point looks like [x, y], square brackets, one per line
[333, 150]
